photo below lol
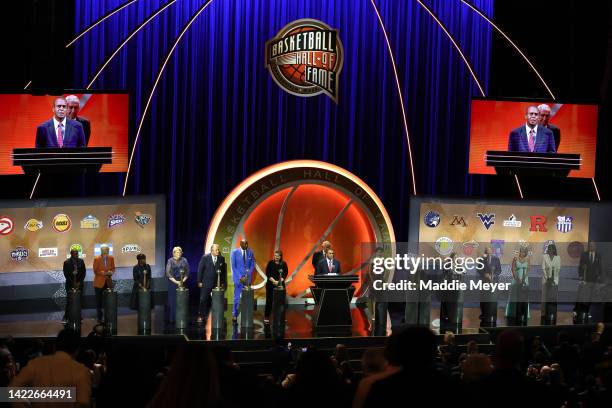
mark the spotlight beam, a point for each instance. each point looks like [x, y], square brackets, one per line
[499, 30]
[159, 75]
[100, 20]
[450, 37]
[129, 37]
[399, 91]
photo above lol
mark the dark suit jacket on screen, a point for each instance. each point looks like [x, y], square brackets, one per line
[545, 142]
[323, 269]
[86, 128]
[73, 135]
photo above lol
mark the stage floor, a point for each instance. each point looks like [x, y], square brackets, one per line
[298, 323]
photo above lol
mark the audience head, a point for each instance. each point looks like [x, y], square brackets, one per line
[476, 367]
[508, 349]
[413, 347]
[67, 341]
[373, 361]
[472, 347]
[449, 337]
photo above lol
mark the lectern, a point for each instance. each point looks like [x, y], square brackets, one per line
[332, 294]
[532, 163]
[62, 160]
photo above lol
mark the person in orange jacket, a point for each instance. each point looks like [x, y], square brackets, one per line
[104, 268]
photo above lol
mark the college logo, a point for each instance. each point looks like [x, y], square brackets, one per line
[564, 223]
[97, 251]
[61, 223]
[444, 246]
[512, 222]
[6, 225]
[78, 248]
[487, 219]
[129, 248]
[432, 219]
[538, 223]
[457, 220]
[142, 219]
[90, 222]
[469, 247]
[47, 252]
[498, 247]
[116, 220]
[33, 225]
[305, 58]
[19, 254]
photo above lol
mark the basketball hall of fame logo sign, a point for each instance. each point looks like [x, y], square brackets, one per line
[294, 206]
[305, 58]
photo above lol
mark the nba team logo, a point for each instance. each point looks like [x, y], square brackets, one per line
[130, 248]
[498, 247]
[564, 223]
[116, 220]
[469, 247]
[19, 254]
[90, 222]
[457, 220]
[61, 223]
[432, 219]
[444, 246]
[487, 219]
[78, 248]
[305, 58]
[142, 219]
[33, 225]
[6, 225]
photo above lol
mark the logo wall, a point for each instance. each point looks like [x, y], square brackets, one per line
[33, 225]
[305, 58]
[6, 225]
[488, 220]
[61, 223]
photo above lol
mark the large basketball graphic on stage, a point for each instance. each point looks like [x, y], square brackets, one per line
[294, 206]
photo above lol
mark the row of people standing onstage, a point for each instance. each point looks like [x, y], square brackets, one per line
[212, 271]
[517, 310]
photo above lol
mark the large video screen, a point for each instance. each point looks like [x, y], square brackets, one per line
[92, 120]
[501, 125]
[37, 236]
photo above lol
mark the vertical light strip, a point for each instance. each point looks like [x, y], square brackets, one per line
[159, 75]
[511, 43]
[596, 189]
[101, 19]
[129, 37]
[518, 184]
[399, 91]
[467, 63]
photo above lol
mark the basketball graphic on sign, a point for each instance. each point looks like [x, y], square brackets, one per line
[294, 206]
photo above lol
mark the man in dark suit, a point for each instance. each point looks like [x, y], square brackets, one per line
[73, 107]
[544, 119]
[60, 131]
[74, 272]
[489, 274]
[317, 256]
[531, 137]
[207, 278]
[589, 273]
[328, 264]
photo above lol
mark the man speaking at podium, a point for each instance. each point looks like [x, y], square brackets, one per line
[328, 264]
[59, 131]
[531, 137]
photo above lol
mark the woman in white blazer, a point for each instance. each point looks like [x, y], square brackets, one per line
[551, 266]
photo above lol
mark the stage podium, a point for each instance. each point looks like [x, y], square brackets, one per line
[62, 160]
[533, 164]
[332, 295]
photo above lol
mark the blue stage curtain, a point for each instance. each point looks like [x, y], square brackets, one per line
[217, 115]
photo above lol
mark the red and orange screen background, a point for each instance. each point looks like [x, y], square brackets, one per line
[492, 121]
[22, 113]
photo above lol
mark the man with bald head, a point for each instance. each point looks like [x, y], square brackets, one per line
[243, 264]
[530, 137]
[209, 265]
[60, 131]
[73, 106]
[544, 120]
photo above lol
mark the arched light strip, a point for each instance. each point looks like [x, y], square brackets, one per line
[443, 27]
[159, 75]
[27, 85]
[129, 37]
[34, 186]
[596, 189]
[101, 19]
[511, 43]
[399, 91]
[518, 184]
